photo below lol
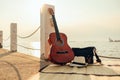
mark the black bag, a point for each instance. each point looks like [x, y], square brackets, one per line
[87, 53]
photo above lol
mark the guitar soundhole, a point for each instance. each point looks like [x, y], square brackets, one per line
[62, 52]
[60, 42]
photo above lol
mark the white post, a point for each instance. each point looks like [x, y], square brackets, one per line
[1, 39]
[13, 37]
[46, 28]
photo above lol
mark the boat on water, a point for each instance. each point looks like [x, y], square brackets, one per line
[111, 40]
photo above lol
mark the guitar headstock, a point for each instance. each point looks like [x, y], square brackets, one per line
[51, 11]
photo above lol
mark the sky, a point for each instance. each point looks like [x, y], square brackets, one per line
[78, 19]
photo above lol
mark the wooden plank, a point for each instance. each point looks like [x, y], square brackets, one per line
[63, 77]
[105, 78]
[104, 70]
[92, 72]
[17, 66]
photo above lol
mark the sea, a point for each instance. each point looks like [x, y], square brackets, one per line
[104, 48]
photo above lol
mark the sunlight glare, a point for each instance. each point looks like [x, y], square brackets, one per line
[36, 45]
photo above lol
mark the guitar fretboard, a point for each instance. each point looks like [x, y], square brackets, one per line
[56, 28]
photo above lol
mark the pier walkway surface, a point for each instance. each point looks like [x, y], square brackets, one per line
[109, 70]
[17, 66]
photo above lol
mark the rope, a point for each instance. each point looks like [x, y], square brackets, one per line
[27, 47]
[109, 57]
[6, 45]
[30, 34]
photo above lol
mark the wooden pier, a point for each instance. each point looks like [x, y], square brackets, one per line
[17, 66]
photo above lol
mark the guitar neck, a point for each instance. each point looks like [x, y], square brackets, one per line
[56, 28]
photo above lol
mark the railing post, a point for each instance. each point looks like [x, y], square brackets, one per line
[46, 28]
[1, 39]
[13, 37]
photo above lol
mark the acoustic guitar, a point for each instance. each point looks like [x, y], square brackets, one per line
[60, 52]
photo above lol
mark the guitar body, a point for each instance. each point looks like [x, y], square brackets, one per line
[60, 52]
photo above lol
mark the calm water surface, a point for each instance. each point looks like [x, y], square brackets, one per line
[104, 48]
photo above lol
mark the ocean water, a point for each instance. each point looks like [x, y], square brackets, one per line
[104, 48]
